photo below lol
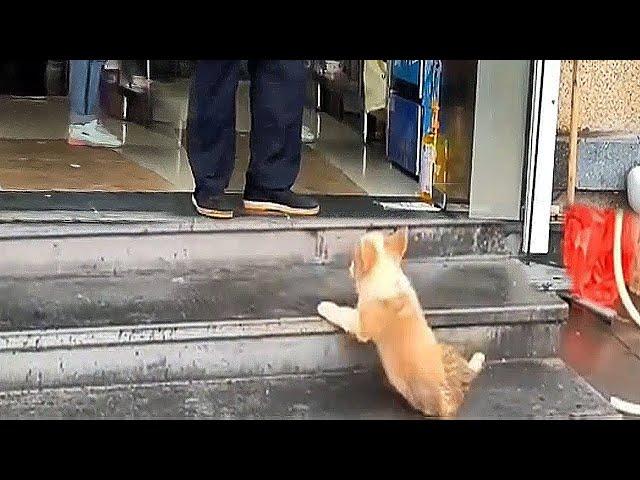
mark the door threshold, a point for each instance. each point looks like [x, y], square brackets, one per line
[29, 214]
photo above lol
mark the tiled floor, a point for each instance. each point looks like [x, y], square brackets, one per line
[337, 164]
[54, 165]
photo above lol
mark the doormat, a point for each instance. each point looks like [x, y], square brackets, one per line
[55, 165]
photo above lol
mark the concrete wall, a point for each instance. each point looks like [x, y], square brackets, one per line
[610, 93]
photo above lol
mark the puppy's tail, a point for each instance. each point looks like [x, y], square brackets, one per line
[477, 362]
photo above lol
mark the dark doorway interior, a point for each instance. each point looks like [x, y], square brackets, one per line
[23, 78]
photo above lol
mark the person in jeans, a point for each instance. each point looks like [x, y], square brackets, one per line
[277, 91]
[84, 89]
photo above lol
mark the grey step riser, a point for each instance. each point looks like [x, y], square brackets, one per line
[233, 357]
[187, 251]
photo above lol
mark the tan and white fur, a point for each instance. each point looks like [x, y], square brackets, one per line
[432, 377]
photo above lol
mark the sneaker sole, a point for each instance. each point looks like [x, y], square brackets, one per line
[208, 212]
[277, 207]
[82, 143]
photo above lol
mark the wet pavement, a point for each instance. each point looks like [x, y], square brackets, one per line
[520, 389]
[533, 389]
[598, 365]
[604, 354]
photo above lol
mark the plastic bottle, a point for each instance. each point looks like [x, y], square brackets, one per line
[428, 157]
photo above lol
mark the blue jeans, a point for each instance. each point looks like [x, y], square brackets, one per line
[84, 90]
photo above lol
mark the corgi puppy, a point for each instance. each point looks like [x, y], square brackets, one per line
[432, 377]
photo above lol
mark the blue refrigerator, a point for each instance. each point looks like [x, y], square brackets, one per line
[414, 87]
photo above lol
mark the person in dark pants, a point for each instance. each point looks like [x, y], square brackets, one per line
[277, 91]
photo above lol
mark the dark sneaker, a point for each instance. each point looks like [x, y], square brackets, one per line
[283, 201]
[216, 206]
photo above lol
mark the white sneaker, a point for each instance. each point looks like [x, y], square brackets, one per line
[92, 134]
[140, 82]
[307, 135]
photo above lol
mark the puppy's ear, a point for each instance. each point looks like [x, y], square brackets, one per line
[364, 257]
[396, 243]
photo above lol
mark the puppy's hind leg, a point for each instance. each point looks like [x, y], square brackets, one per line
[477, 362]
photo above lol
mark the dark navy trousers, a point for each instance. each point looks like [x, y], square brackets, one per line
[276, 97]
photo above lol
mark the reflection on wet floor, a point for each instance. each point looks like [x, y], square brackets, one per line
[592, 347]
[337, 163]
[55, 165]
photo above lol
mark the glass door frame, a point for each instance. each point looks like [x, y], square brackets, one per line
[540, 160]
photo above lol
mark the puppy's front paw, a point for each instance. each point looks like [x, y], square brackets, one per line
[327, 310]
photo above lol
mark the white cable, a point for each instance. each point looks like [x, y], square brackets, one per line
[624, 406]
[617, 403]
[617, 268]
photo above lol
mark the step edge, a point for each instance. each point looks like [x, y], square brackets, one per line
[84, 337]
[209, 381]
[69, 226]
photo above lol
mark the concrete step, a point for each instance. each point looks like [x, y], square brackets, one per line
[460, 292]
[52, 234]
[543, 389]
[119, 290]
[243, 321]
